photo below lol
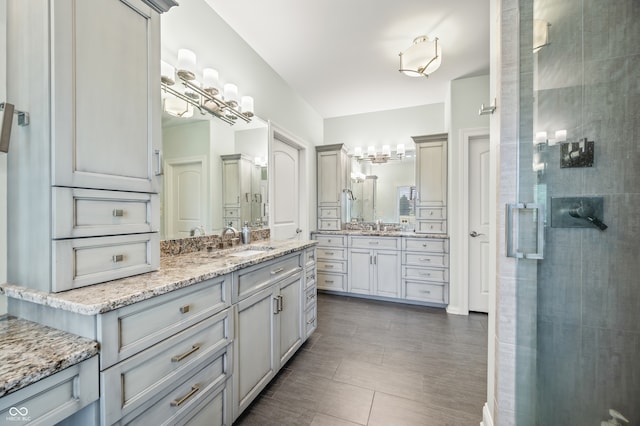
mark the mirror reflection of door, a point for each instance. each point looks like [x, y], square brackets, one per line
[285, 176]
[186, 196]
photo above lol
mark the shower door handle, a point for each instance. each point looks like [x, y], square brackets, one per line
[513, 209]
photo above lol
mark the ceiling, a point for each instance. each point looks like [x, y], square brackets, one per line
[342, 56]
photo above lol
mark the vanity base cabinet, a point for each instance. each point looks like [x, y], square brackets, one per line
[425, 270]
[331, 254]
[55, 398]
[374, 271]
[269, 328]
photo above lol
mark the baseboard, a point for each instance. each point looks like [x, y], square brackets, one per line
[487, 420]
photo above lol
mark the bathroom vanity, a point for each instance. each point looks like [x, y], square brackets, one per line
[202, 336]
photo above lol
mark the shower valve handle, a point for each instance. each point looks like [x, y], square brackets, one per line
[586, 212]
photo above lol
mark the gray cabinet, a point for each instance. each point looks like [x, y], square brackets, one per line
[425, 270]
[431, 183]
[331, 262]
[374, 266]
[333, 177]
[82, 176]
[269, 324]
[236, 190]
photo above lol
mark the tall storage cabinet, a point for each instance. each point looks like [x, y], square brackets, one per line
[431, 183]
[333, 177]
[236, 189]
[82, 177]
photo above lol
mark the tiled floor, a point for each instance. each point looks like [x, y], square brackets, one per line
[383, 364]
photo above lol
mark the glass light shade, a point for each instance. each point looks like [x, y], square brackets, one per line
[540, 34]
[167, 73]
[371, 151]
[246, 106]
[186, 64]
[400, 150]
[177, 107]
[192, 93]
[541, 137]
[561, 135]
[386, 150]
[210, 81]
[422, 58]
[231, 94]
[357, 152]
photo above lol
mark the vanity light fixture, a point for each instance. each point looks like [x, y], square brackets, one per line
[205, 95]
[421, 58]
[377, 157]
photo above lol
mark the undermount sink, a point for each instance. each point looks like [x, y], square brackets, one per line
[250, 252]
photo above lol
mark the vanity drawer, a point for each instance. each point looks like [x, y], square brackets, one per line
[127, 331]
[144, 378]
[310, 257]
[431, 227]
[310, 297]
[431, 213]
[249, 280]
[231, 213]
[426, 244]
[332, 253]
[310, 278]
[424, 292]
[426, 259]
[375, 242]
[310, 320]
[332, 266]
[330, 241]
[92, 212]
[54, 398]
[425, 274]
[328, 281]
[84, 261]
[329, 224]
[329, 213]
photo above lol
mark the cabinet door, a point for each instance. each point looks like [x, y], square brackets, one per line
[387, 273]
[290, 318]
[254, 347]
[231, 183]
[360, 271]
[431, 173]
[105, 95]
[329, 182]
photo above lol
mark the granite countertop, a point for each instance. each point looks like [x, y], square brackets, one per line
[32, 351]
[175, 272]
[374, 233]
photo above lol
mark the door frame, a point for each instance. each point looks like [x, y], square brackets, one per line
[277, 132]
[459, 238]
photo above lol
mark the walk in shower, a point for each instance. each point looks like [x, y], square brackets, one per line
[577, 332]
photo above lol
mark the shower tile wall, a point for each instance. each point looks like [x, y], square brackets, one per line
[587, 81]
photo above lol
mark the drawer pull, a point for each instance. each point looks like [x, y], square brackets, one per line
[180, 401]
[329, 266]
[184, 309]
[311, 296]
[328, 281]
[277, 271]
[311, 321]
[117, 258]
[425, 259]
[178, 358]
[424, 245]
[328, 253]
[426, 291]
[118, 212]
[374, 242]
[425, 274]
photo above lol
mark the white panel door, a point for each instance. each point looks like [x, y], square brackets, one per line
[186, 196]
[479, 211]
[285, 173]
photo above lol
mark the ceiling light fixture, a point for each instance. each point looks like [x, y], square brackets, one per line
[205, 96]
[421, 58]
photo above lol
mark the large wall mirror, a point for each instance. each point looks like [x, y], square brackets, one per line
[194, 194]
[383, 191]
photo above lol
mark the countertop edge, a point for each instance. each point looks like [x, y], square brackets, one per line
[405, 234]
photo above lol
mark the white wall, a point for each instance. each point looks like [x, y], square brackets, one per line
[466, 97]
[392, 126]
[3, 157]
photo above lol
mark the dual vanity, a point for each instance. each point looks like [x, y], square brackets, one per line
[192, 343]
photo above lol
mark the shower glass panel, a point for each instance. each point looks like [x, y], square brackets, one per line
[578, 324]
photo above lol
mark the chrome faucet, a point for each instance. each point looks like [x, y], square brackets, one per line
[230, 229]
[197, 231]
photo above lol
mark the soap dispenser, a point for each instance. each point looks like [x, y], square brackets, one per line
[246, 233]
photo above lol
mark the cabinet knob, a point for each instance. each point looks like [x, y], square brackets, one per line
[117, 258]
[184, 309]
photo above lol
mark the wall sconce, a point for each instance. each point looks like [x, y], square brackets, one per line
[421, 58]
[204, 95]
[540, 34]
